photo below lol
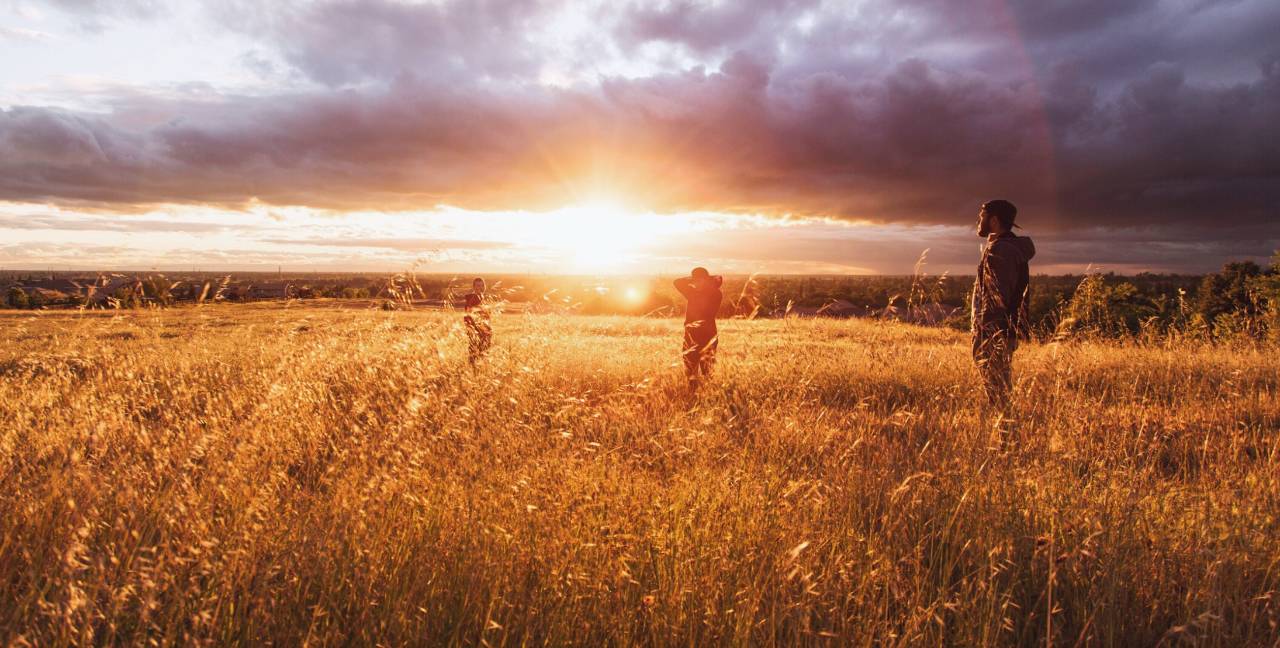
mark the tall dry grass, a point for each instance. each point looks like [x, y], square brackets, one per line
[245, 474]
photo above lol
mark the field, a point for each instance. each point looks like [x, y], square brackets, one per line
[241, 474]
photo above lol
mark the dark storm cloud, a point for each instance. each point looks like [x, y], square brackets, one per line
[1087, 114]
[1167, 150]
[1054, 18]
[687, 140]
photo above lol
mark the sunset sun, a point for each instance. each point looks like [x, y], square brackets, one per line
[599, 236]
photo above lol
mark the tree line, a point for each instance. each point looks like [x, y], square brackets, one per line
[1242, 299]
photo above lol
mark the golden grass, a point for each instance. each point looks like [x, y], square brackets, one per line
[243, 474]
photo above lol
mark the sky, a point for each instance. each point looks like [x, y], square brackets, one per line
[636, 136]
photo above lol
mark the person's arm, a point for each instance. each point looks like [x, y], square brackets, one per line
[1002, 264]
[684, 285]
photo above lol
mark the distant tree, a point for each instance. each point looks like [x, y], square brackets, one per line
[127, 297]
[17, 298]
[1228, 291]
[158, 289]
[1266, 290]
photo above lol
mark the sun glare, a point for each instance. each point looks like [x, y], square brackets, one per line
[600, 236]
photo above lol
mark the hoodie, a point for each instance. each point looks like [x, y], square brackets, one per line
[704, 305]
[1000, 289]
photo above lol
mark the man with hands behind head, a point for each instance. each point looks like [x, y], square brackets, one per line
[700, 335]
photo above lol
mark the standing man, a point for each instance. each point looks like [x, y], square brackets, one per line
[999, 298]
[700, 336]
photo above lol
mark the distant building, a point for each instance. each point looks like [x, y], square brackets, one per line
[49, 291]
[235, 290]
[47, 295]
[64, 286]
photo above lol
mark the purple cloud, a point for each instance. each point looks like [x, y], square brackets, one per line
[1087, 114]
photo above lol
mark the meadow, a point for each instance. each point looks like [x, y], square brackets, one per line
[244, 474]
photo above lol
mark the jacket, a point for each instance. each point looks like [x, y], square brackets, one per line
[1000, 288]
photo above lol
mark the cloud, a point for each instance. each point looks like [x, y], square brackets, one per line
[707, 27]
[94, 15]
[917, 144]
[337, 42]
[137, 8]
[402, 245]
[24, 35]
[42, 253]
[104, 224]
[1087, 114]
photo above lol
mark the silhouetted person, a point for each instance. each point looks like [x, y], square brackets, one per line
[700, 335]
[999, 298]
[479, 332]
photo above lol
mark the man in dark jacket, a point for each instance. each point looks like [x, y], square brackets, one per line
[700, 335]
[999, 298]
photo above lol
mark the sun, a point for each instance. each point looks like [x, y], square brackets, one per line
[604, 236]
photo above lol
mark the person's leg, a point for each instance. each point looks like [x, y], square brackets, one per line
[985, 359]
[994, 359]
[709, 356]
[1006, 375]
[473, 339]
[1001, 378]
[691, 356]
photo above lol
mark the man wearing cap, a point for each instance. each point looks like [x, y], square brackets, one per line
[700, 335]
[999, 298]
